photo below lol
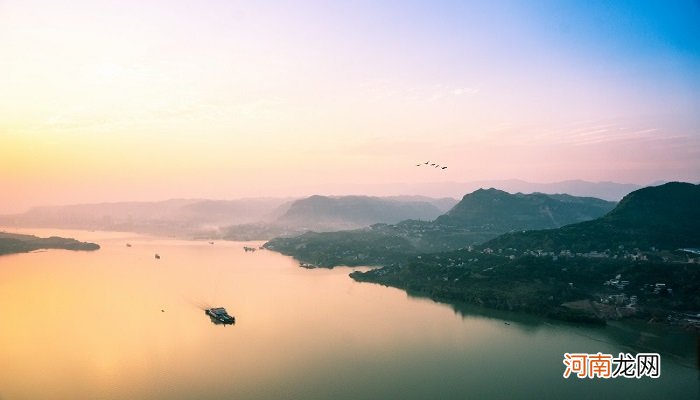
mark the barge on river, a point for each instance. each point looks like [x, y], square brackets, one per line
[220, 316]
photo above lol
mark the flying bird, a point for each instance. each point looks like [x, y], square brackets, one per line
[436, 165]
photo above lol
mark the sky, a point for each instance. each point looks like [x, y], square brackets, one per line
[149, 100]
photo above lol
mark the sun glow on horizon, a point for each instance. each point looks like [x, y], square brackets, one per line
[123, 100]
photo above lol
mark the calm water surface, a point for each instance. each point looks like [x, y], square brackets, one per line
[89, 325]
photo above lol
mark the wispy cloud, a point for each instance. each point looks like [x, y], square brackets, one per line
[393, 91]
[591, 133]
[465, 91]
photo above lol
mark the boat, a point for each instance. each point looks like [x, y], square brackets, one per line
[219, 315]
[157, 257]
[128, 245]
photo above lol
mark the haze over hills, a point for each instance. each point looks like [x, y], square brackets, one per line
[335, 213]
[171, 217]
[603, 190]
[398, 190]
[354, 211]
[443, 204]
[243, 218]
[264, 218]
[479, 216]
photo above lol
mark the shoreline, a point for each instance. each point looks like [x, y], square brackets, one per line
[15, 243]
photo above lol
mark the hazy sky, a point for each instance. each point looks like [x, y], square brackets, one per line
[124, 100]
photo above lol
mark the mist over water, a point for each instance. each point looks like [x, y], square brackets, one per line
[166, 131]
[85, 325]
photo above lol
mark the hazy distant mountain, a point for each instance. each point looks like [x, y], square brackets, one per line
[665, 217]
[179, 216]
[354, 211]
[444, 204]
[254, 218]
[221, 212]
[479, 216]
[496, 210]
[336, 213]
[602, 190]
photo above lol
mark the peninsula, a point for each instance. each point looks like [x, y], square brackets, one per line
[639, 260]
[17, 243]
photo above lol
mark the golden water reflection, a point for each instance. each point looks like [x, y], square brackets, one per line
[118, 323]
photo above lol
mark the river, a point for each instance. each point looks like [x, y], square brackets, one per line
[118, 323]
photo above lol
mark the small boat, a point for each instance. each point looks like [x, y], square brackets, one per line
[157, 256]
[219, 315]
[128, 245]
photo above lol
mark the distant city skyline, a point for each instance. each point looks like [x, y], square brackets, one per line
[120, 100]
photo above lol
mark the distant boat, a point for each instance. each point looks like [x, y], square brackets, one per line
[219, 315]
[157, 256]
[128, 245]
[211, 242]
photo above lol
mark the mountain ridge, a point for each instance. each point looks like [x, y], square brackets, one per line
[355, 210]
[624, 264]
[499, 210]
[459, 227]
[665, 216]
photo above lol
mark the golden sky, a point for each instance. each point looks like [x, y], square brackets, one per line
[127, 100]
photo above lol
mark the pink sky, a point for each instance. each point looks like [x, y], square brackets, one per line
[110, 101]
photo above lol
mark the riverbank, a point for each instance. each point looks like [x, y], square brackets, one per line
[578, 289]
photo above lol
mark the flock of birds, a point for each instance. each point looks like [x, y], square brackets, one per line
[431, 165]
